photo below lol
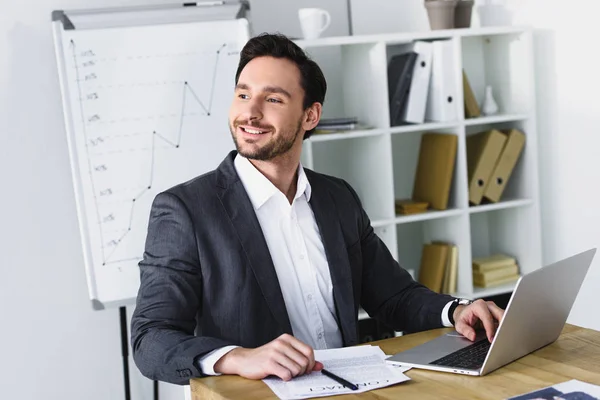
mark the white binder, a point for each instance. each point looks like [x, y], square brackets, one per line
[442, 104]
[419, 86]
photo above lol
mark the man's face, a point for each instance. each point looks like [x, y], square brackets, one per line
[266, 115]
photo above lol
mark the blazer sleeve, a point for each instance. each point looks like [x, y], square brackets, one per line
[389, 294]
[169, 298]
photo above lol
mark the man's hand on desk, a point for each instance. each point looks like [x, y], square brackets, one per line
[285, 357]
[471, 317]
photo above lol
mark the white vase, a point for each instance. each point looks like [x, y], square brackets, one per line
[489, 106]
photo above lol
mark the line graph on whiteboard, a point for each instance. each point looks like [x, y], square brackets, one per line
[144, 122]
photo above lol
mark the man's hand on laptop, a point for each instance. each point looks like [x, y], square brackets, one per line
[479, 313]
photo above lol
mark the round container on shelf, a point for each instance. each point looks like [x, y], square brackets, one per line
[462, 13]
[441, 13]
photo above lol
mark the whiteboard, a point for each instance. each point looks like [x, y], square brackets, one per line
[146, 108]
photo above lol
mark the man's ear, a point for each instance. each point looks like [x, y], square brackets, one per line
[312, 116]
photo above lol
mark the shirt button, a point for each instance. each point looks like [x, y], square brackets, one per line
[320, 335]
[302, 256]
[309, 297]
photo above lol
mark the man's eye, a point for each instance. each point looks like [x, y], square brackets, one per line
[243, 96]
[274, 100]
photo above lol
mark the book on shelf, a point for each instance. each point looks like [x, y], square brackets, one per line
[494, 270]
[471, 106]
[482, 264]
[409, 207]
[439, 267]
[335, 125]
[435, 169]
[337, 121]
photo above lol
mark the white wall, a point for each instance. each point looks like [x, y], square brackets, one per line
[54, 345]
[568, 82]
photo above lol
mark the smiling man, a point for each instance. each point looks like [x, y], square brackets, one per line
[251, 267]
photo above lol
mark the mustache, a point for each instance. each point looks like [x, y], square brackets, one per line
[258, 126]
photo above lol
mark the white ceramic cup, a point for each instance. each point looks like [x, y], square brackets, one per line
[313, 22]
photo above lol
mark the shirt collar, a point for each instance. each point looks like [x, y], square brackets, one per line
[259, 188]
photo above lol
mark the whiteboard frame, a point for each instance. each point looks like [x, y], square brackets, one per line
[61, 21]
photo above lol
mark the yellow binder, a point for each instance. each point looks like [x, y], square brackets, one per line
[483, 151]
[505, 165]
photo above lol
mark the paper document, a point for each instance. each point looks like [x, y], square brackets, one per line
[363, 366]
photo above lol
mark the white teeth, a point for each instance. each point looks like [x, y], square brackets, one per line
[254, 132]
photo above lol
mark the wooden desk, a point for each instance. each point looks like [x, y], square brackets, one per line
[575, 355]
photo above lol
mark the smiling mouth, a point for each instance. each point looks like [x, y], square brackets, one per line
[253, 131]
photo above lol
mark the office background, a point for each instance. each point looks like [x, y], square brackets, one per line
[54, 346]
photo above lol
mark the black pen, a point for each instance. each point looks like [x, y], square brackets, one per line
[339, 380]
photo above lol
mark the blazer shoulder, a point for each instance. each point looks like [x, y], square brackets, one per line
[335, 185]
[196, 187]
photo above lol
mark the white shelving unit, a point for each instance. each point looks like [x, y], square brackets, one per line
[380, 162]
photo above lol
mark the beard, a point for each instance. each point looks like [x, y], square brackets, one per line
[278, 145]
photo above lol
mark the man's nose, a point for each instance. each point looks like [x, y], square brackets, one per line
[253, 110]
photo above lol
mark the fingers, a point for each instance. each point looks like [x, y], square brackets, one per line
[289, 364]
[318, 366]
[479, 313]
[484, 315]
[496, 311]
[306, 352]
[487, 313]
[465, 329]
[279, 370]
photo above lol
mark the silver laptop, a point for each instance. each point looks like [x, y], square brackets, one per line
[534, 317]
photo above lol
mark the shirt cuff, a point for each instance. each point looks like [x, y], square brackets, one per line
[445, 317]
[208, 361]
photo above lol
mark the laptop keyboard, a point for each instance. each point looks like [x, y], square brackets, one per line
[470, 357]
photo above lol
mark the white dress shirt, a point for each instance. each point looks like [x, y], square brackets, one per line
[298, 255]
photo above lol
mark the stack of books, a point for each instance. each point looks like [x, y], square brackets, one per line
[332, 125]
[494, 270]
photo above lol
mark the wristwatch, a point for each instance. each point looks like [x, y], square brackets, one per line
[456, 303]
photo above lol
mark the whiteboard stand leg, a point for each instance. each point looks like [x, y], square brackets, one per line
[125, 351]
[155, 390]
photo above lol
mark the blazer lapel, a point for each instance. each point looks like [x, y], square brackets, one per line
[324, 207]
[237, 204]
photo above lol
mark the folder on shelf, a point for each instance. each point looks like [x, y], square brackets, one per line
[441, 101]
[471, 106]
[419, 85]
[483, 151]
[435, 169]
[400, 69]
[515, 141]
[433, 266]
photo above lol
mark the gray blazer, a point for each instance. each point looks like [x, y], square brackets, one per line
[207, 278]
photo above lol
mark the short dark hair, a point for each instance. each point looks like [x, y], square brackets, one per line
[277, 45]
